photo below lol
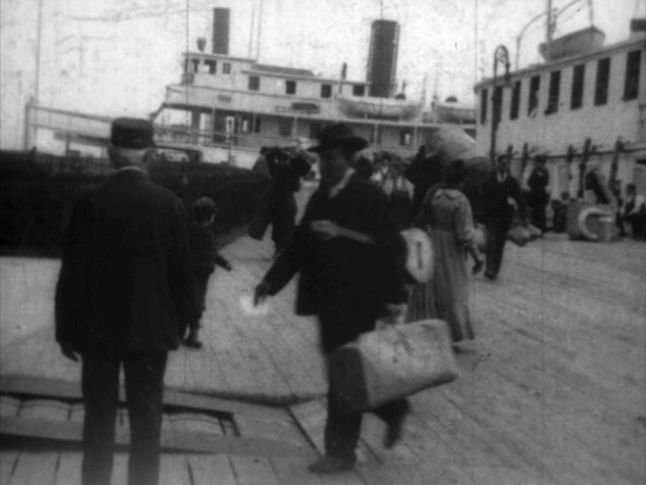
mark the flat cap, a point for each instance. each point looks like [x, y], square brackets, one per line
[133, 133]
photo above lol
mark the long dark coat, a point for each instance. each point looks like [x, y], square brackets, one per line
[126, 279]
[345, 282]
[496, 195]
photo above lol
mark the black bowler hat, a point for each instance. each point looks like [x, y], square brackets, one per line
[338, 135]
[133, 133]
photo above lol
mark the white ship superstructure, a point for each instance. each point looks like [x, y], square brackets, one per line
[585, 101]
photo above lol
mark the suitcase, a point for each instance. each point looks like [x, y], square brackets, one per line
[392, 363]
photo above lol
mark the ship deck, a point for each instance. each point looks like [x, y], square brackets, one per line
[555, 393]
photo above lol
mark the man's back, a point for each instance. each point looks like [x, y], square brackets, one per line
[126, 268]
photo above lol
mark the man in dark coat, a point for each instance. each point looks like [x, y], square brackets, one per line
[503, 199]
[346, 249]
[124, 295]
[538, 181]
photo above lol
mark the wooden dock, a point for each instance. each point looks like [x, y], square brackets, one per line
[555, 394]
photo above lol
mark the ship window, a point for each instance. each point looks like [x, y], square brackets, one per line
[211, 65]
[555, 89]
[405, 137]
[359, 90]
[483, 106]
[254, 83]
[497, 105]
[326, 90]
[285, 127]
[534, 87]
[226, 68]
[196, 65]
[515, 101]
[603, 78]
[290, 87]
[631, 86]
[578, 76]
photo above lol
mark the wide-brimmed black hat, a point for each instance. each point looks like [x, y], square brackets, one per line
[133, 133]
[338, 135]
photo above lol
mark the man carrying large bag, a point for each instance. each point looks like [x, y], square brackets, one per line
[350, 258]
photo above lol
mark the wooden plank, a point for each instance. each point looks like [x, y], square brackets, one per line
[69, 468]
[9, 406]
[285, 430]
[182, 422]
[44, 409]
[48, 387]
[293, 471]
[171, 439]
[174, 470]
[253, 471]
[35, 468]
[120, 469]
[311, 418]
[210, 469]
[8, 460]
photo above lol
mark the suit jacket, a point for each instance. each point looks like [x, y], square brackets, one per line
[126, 279]
[350, 277]
[496, 195]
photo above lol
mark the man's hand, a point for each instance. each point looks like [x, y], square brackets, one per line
[261, 293]
[68, 351]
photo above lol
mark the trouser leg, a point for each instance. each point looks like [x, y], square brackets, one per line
[202, 285]
[100, 386]
[496, 239]
[392, 410]
[144, 387]
[341, 430]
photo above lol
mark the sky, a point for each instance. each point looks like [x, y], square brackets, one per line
[115, 58]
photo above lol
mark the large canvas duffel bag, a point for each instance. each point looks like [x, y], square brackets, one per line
[394, 362]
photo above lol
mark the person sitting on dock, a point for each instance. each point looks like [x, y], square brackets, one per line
[205, 258]
[634, 212]
[125, 292]
[347, 250]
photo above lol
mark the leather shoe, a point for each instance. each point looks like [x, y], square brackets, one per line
[331, 464]
[490, 276]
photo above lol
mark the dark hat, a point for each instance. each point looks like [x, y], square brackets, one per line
[541, 157]
[133, 133]
[338, 135]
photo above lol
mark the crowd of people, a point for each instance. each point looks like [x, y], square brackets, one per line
[135, 271]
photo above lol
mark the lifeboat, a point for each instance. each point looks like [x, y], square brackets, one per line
[386, 108]
[578, 42]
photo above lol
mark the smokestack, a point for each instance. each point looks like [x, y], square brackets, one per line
[382, 59]
[220, 31]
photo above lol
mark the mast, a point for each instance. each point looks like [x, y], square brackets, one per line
[548, 37]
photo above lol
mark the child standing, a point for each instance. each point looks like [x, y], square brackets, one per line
[205, 258]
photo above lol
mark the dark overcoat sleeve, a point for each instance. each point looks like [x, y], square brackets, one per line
[70, 298]
[290, 261]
